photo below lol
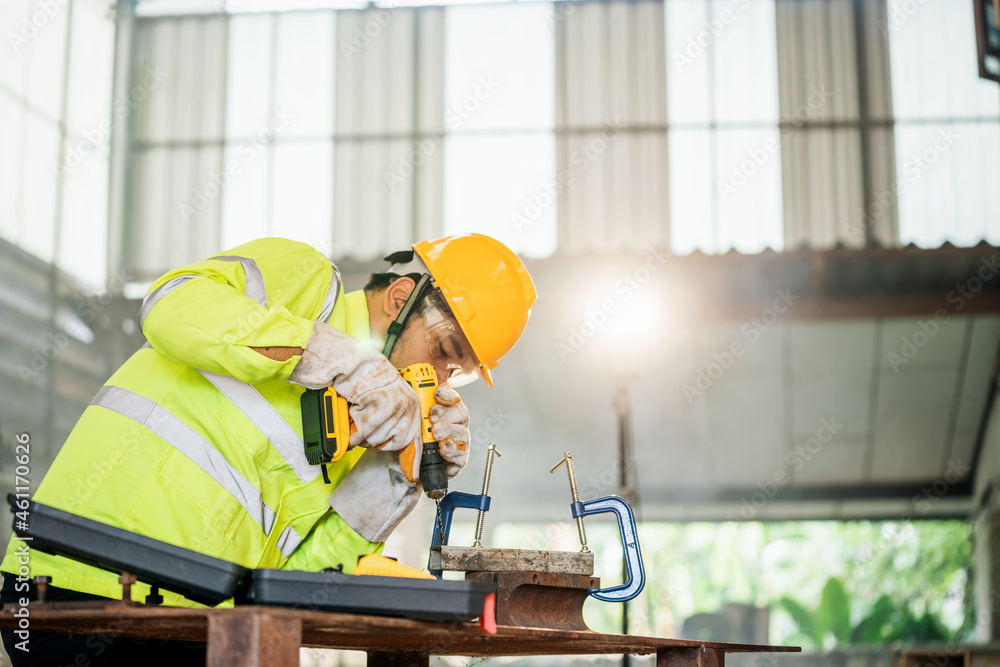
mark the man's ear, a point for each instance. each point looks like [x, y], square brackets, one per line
[395, 296]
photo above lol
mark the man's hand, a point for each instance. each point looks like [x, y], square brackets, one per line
[451, 428]
[388, 416]
[385, 410]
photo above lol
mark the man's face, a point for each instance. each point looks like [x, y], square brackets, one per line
[431, 336]
[412, 348]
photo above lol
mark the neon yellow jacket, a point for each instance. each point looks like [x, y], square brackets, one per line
[197, 439]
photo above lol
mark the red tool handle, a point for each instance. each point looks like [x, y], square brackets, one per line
[488, 621]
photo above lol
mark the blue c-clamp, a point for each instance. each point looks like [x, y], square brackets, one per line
[635, 573]
[451, 502]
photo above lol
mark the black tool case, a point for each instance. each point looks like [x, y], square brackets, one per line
[211, 580]
[419, 599]
[196, 576]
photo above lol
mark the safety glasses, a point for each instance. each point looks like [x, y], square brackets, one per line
[450, 351]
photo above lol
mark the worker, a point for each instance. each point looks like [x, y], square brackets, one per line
[196, 439]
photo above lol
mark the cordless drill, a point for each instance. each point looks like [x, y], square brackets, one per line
[327, 427]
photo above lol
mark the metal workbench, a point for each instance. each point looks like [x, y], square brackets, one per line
[272, 636]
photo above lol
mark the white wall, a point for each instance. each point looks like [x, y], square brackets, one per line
[987, 503]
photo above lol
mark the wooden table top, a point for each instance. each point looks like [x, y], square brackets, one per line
[322, 629]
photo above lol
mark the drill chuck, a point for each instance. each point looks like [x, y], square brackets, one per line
[433, 471]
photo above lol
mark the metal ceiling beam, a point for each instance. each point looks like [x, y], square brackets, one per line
[835, 284]
[874, 307]
[928, 491]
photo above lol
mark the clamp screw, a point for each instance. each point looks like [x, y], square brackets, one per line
[487, 474]
[126, 579]
[575, 491]
[41, 586]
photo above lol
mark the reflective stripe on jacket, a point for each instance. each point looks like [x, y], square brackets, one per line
[197, 439]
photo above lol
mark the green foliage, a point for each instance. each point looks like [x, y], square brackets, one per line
[908, 581]
[828, 583]
[876, 627]
[804, 619]
[835, 611]
[830, 624]
[829, 621]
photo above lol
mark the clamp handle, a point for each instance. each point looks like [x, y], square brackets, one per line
[636, 575]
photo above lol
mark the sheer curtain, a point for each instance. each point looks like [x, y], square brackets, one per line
[56, 102]
[500, 163]
[948, 140]
[702, 125]
[612, 126]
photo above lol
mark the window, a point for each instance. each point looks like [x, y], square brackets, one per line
[499, 166]
[725, 147]
[947, 143]
[279, 128]
[56, 134]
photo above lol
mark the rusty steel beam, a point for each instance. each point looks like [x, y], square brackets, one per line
[539, 599]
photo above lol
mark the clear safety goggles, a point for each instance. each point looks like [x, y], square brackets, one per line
[450, 351]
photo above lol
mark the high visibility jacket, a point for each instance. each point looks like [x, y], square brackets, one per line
[197, 439]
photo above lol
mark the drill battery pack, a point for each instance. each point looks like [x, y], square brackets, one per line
[326, 425]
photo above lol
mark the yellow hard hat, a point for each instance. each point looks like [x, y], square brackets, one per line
[487, 288]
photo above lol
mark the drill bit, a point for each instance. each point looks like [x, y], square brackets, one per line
[437, 521]
[487, 474]
[575, 492]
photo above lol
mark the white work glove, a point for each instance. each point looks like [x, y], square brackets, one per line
[375, 496]
[385, 410]
[450, 420]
